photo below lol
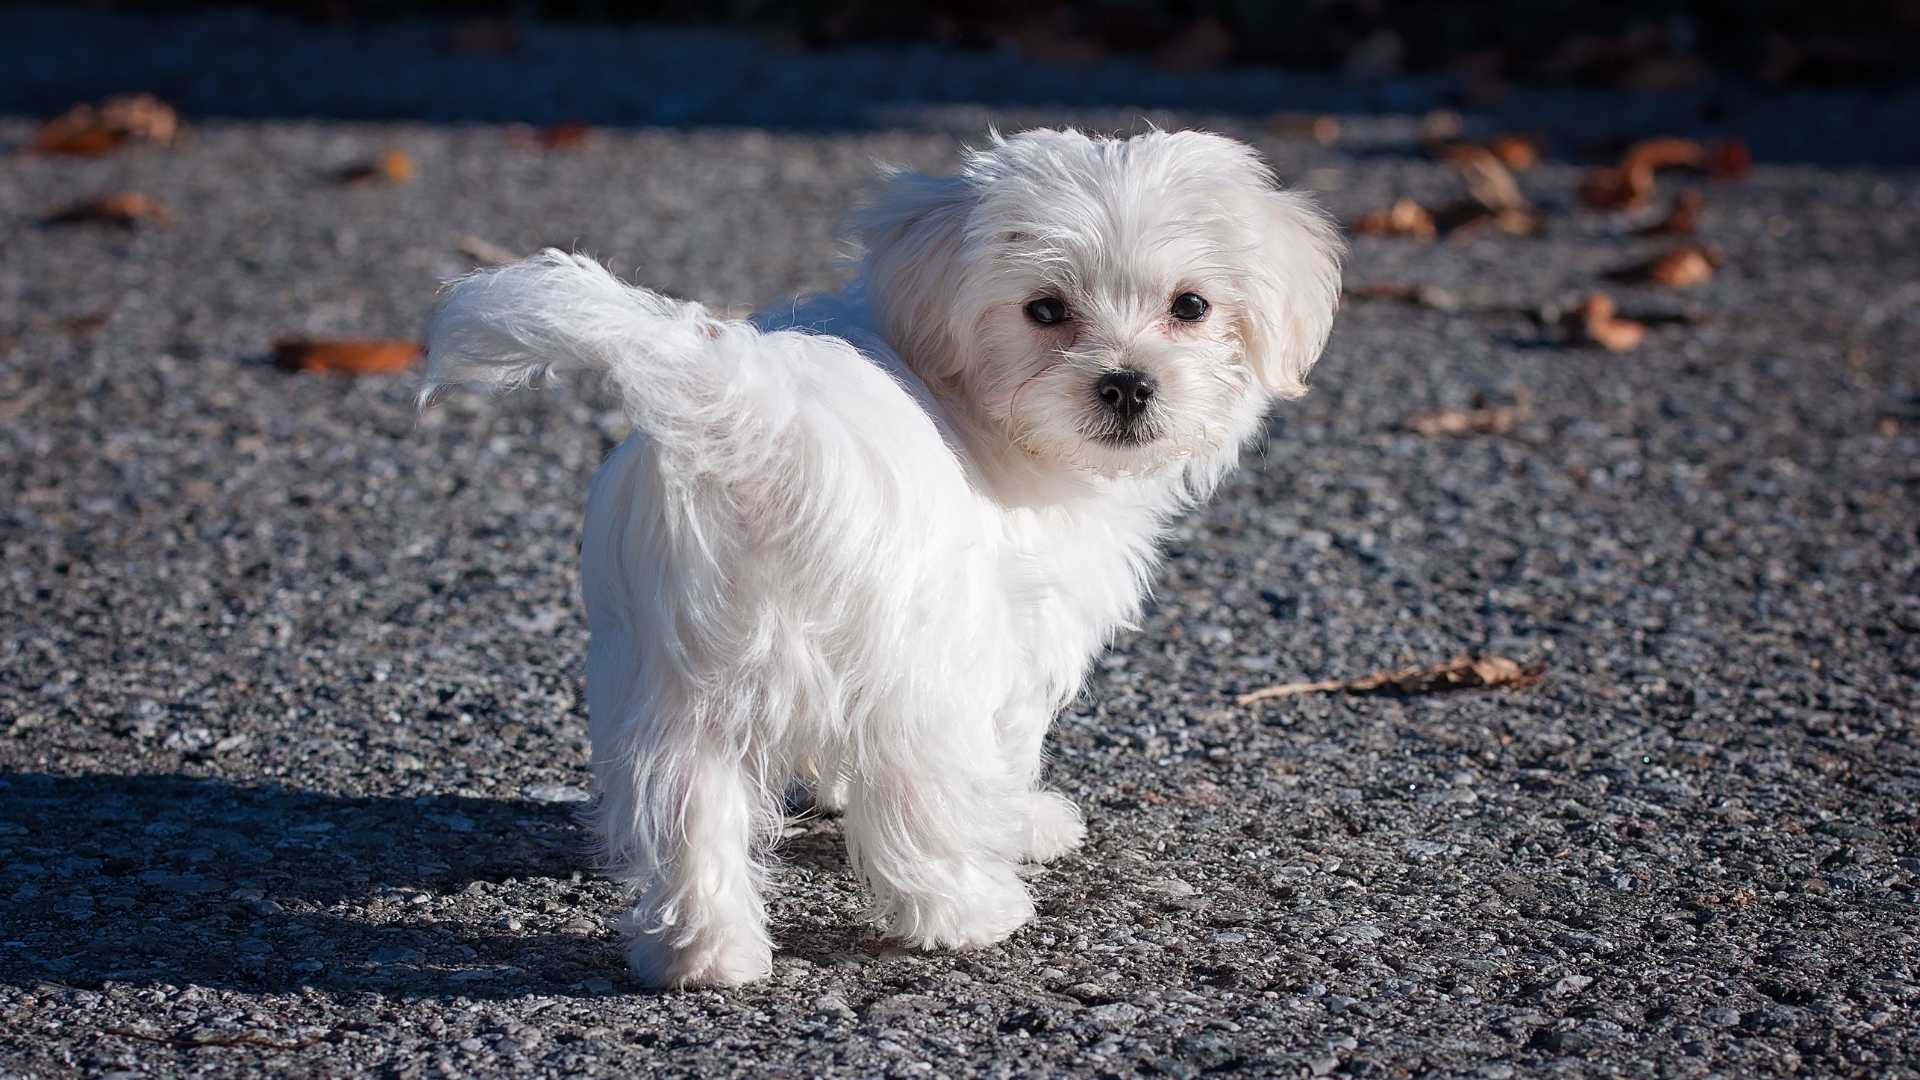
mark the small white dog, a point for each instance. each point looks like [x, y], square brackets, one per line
[875, 541]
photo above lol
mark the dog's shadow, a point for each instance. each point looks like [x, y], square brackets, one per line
[196, 881]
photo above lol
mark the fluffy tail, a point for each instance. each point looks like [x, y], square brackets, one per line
[554, 316]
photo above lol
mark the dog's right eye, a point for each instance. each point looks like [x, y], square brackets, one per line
[1047, 310]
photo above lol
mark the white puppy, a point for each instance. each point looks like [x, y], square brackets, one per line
[876, 540]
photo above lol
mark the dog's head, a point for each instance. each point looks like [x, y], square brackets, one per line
[1112, 305]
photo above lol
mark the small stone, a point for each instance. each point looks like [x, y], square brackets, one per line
[1572, 984]
[1722, 1017]
[1171, 887]
[1364, 933]
[1118, 1014]
[833, 1005]
[556, 793]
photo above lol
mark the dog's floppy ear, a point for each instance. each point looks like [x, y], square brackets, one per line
[913, 233]
[1292, 289]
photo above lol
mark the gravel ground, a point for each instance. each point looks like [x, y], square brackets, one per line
[290, 722]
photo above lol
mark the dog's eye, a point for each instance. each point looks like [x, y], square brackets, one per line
[1047, 310]
[1190, 307]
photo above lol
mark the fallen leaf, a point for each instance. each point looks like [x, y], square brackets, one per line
[1404, 218]
[1516, 152]
[564, 135]
[124, 208]
[1463, 672]
[484, 252]
[86, 322]
[91, 130]
[1482, 419]
[1470, 214]
[1664, 152]
[1630, 183]
[393, 167]
[1489, 181]
[1427, 296]
[1676, 269]
[1440, 125]
[1614, 187]
[1324, 130]
[1596, 321]
[1886, 425]
[1729, 159]
[346, 356]
[1682, 218]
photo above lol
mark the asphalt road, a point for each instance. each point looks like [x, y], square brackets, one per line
[290, 717]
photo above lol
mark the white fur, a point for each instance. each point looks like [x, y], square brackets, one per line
[876, 543]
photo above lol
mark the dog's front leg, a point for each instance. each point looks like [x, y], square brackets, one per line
[1050, 823]
[932, 822]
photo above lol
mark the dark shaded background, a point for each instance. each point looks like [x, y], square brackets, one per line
[1642, 43]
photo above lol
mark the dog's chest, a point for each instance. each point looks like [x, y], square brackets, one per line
[1075, 582]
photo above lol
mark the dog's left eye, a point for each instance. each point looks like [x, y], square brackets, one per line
[1190, 307]
[1047, 310]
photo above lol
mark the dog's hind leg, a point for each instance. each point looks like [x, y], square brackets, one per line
[698, 919]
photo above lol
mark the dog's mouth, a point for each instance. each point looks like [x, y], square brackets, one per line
[1130, 437]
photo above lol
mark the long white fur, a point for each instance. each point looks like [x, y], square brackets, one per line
[870, 542]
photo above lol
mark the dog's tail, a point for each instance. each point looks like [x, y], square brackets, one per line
[676, 368]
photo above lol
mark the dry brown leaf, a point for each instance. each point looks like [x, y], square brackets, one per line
[1729, 159]
[1324, 130]
[1516, 152]
[345, 356]
[91, 130]
[392, 167]
[1886, 425]
[1426, 296]
[123, 208]
[1630, 184]
[484, 252]
[1676, 269]
[1596, 321]
[1664, 152]
[1468, 215]
[1683, 216]
[1440, 125]
[564, 135]
[1404, 218]
[1482, 419]
[1489, 182]
[1463, 672]
[1615, 187]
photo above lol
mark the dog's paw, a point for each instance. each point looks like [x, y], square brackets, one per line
[830, 795]
[1053, 827]
[711, 959]
[984, 905]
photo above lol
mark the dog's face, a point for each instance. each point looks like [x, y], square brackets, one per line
[1115, 306]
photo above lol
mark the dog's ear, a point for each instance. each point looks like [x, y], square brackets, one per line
[913, 233]
[1292, 289]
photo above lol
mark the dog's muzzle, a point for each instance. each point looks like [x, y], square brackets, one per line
[1125, 398]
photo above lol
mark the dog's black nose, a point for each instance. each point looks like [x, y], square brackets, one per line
[1126, 393]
